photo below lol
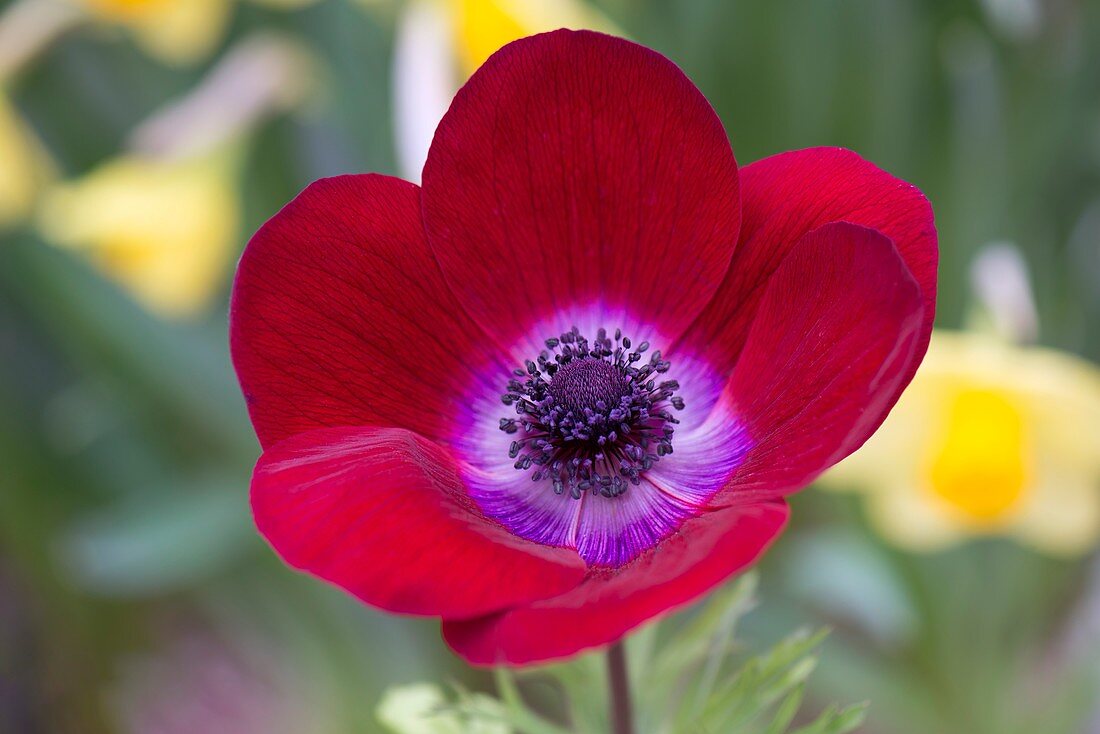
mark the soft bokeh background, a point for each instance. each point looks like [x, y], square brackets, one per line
[142, 141]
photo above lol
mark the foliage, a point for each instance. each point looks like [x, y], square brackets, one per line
[690, 675]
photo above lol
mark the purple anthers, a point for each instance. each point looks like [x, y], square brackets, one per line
[589, 418]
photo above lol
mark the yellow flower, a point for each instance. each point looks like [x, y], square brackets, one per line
[163, 230]
[441, 42]
[990, 439]
[284, 4]
[177, 31]
[24, 168]
[483, 26]
[162, 219]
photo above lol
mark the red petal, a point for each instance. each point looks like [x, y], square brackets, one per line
[576, 169]
[340, 316]
[381, 512]
[831, 345]
[788, 195]
[706, 550]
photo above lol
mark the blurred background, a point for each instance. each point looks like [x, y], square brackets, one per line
[143, 141]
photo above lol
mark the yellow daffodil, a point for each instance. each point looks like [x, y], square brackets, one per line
[483, 26]
[284, 4]
[24, 167]
[441, 42]
[164, 230]
[161, 220]
[176, 31]
[990, 439]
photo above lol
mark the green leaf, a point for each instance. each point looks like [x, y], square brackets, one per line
[422, 708]
[786, 711]
[834, 720]
[690, 680]
[693, 644]
[516, 710]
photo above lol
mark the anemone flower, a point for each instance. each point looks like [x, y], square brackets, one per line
[564, 387]
[991, 439]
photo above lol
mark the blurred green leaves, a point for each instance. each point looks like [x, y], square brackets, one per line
[159, 544]
[690, 675]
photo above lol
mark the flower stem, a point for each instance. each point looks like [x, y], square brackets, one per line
[622, 715]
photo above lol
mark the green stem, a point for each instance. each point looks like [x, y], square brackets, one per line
[622, 715]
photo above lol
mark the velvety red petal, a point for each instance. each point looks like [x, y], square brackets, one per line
[785, 197]
[705, 551]
[340, 316]
[381, 512]
[578, 169]
[831, 345]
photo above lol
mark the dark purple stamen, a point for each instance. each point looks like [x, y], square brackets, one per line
[589, 417]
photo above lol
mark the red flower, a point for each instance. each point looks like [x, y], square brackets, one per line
[696, 342]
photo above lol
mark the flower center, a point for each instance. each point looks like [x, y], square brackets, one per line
[591, 416]
[981, 467]
[589, 385]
